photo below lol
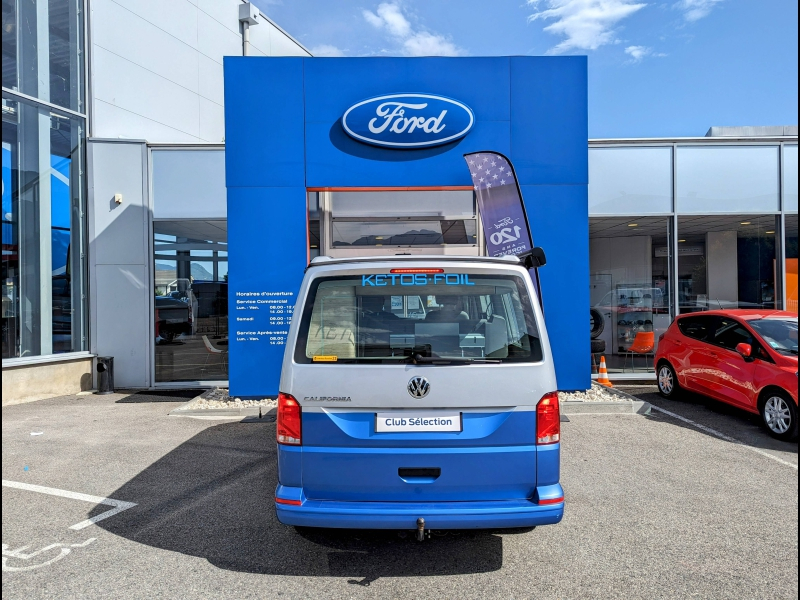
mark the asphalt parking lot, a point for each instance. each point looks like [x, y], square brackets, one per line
[658, 507]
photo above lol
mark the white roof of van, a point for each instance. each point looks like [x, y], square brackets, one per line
[327, 260]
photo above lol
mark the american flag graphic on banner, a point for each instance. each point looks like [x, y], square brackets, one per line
[502, 212]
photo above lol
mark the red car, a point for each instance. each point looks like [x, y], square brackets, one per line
[747, 358]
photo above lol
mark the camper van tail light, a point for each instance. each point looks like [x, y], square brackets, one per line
[415, 271]
[548, 420]
[289, 416]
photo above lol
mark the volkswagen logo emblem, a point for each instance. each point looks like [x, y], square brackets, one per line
[418, 387]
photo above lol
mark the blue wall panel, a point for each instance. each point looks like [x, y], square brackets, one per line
[558, 216]
[283, 134]
[264, 122]
[549, 119]
[335, 84]
[266, 256]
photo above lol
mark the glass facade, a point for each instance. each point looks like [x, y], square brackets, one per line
[44, 277]
[790, 178]
[189, 184]
[43, 266]
[727, 179]
[726, 237]
[630, 180]
[43, 51]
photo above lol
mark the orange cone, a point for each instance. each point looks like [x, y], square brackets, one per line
[603, 378]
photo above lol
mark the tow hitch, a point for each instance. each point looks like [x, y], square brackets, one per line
[420, 529]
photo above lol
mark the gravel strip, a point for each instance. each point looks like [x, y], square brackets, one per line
[597, 393]
[219, 399]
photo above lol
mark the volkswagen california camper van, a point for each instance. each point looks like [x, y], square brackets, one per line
[418, 393]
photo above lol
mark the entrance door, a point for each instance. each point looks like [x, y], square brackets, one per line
[373, 222]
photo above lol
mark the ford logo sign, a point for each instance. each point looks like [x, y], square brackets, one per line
[408, 120]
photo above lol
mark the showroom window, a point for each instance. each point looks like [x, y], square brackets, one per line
[629, 289]
[43, 266]
[727, 261]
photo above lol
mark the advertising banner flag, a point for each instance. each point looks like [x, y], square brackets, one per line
[505, 222]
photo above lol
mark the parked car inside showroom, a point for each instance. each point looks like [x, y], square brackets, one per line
[747, 358]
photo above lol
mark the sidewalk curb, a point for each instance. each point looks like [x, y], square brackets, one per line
[248, 414]
[626, 407]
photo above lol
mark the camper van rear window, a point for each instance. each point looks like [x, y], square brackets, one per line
[392, 318]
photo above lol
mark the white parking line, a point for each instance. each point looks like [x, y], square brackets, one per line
[722, 436]
[119, 505]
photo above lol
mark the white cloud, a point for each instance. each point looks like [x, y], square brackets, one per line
[694, 10]
[326, 50]
[428, 44]
[587, 24]
[389, 17]
[637, 53]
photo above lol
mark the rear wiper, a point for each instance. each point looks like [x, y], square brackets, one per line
[419, 359]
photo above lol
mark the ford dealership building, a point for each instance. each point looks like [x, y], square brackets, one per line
[126, 177]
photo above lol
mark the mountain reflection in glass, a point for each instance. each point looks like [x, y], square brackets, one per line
[404, 233]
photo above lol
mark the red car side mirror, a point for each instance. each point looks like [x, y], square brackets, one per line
[744, 349]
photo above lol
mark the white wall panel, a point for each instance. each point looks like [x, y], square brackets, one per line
[176, 17]
[153, 61]
[215, 40]
[117, 230]
[121, 291]
[260, 38]
[122, 83]
[117, 122]
[119, 259]
[211, 79]
[212, 121]
[144, 44]
[225, 12]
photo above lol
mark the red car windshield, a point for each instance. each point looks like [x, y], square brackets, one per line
[779, 333]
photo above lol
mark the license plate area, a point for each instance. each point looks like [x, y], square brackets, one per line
[418, 421]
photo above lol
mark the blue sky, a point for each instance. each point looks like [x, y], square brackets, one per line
[655, 68]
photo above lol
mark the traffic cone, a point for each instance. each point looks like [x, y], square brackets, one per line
[603, 378]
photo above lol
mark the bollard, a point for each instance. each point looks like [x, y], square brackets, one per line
[105, 374]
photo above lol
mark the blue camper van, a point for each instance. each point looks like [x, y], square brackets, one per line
[442, 418]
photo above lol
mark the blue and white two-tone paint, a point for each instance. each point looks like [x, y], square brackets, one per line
[408, 121]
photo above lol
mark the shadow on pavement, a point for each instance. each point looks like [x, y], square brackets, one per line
[160, 396]
[212, 497]
[725, 418]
